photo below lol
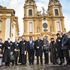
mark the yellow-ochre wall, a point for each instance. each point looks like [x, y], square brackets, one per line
[4, 15]
[37, 19]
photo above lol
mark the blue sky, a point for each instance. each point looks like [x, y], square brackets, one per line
[17, 5]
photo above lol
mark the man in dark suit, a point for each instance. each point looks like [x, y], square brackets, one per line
[39, 48]
[15, 50]
[23, 50]
[69, 50]
[64, 48]
[7, 52]
[31, 50]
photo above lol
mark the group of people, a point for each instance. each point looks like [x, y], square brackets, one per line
[59, 50]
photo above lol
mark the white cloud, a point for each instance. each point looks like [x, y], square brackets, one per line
[67, 22]
[17, 5]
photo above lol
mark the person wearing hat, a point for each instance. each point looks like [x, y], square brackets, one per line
[7, 52]
[58, 46]
[1, 52]
[53, 51]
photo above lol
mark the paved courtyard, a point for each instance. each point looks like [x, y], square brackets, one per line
[36, 67]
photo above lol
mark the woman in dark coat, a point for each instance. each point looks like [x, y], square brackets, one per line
[58, 46]
[46, 49]
[53, 51]
[15, 50]
[7, 52]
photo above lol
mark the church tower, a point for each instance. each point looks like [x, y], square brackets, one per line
[30, 8]
[55, 11]
[48, 23]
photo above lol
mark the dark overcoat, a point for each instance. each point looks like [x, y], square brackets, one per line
[53, 51]
[69, 44]
[58, 46]
[65, 40]
[33, 45]
[7, 51]
[23, 48]
[39, 44]
[15, 46]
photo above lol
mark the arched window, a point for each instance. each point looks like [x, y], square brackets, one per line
[58, 26]
[51, 28]
[30, 12]
[56, 11]
[30, 26]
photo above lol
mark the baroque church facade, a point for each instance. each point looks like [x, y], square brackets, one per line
[45, 24]
[8, 24]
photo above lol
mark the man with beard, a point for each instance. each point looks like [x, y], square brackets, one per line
[64, 48]
[7, 52]
[38, 48]
[23, 51]
[58, 46]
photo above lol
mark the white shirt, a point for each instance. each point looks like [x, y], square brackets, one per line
[30, 41]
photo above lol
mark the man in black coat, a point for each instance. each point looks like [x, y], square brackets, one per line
[69, 50]
[39, 48]
[31, 50]
[7, 52]
[15, 50]
[64, 47]
[58, 46]
[23, 51]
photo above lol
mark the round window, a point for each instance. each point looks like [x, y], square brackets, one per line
[45, 25]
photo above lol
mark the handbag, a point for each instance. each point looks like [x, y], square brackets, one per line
[12, 57]
[1, 55]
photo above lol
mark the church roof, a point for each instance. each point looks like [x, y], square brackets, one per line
[1, 7]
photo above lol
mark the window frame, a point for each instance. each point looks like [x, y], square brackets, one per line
[56, 12]
[30, 12]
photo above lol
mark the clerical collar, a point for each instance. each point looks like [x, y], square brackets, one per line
[9, 41]
[15, 42]
[23, 41]
[38, 40]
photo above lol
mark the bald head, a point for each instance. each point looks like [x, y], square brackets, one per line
[39, 37]
[16, 40]
[23, 38]
[62, 33]
[9, 39]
